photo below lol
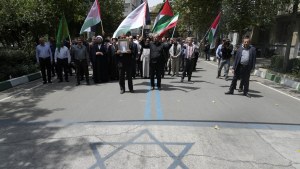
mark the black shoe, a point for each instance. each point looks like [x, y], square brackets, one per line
[152, 88]
[229, 92]
[247, 95]
[77, 84]
[122, 92]
[181, 80]
[44, 82]
[49, 81]
[131, 91]
[189, 79]
[67, 80]
[88, 83]
[218, 77]
[60, 81]
[240, 90]
[159, 88]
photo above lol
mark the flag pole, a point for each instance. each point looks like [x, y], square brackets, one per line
[102, 28]
[173, 31]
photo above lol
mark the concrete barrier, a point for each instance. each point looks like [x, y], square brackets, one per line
[20, 80]
[34, 76]
[5, 85]
[270, 76]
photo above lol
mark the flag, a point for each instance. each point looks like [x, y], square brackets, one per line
[135, 19]
[164, 15]
[163, 28]
[92, 18]
[213, 29]
[63, 31]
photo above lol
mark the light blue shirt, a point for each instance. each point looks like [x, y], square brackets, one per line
[43, 51]
[245, 56]
[219, 51]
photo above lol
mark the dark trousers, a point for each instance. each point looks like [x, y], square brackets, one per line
[62, 65]
[242, 72]
[156, 70]
[188, 68]
[125, 69]
[140, 68]
[53, 69]
[207, 56]
[133, 68]
[195, 61]
[45, 64]
[82, 68]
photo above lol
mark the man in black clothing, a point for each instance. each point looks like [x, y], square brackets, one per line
[125, 63]
[166, 48]
[156, 62]
[244, 62]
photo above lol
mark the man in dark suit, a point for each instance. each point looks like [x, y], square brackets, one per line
[244, 62]
[156, 62]
[124, 62]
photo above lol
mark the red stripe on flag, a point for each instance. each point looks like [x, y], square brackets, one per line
[216, 21]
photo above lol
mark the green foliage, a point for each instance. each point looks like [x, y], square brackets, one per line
[294, 67]
[196, 15]
[15, 63]
[277, 63]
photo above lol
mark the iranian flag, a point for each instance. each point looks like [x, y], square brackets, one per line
[163, 28]
[213, 29]
[92, 18]
[164, 15]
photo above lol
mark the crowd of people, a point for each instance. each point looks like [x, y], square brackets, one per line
[147, 58]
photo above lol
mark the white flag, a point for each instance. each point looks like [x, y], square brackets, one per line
[135, 19]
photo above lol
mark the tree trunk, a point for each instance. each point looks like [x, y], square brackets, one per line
[291, 29]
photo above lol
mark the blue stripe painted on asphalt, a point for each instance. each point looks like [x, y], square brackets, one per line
[147, 113]
[159, 112]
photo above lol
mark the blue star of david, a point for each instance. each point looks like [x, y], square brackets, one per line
[177, 159]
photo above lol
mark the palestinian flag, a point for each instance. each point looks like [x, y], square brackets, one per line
[92, 18]
[171, 23]
[164, 15]
[213, 29]
[63, 32]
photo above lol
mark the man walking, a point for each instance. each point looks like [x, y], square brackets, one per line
[156, 62]
[125, 65]
[44, 59]
[81, 58]
[174, 56]
[188, 60]
[62, 60]
[244, 62]
[224, 54]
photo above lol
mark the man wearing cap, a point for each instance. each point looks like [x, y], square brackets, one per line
[224, 54]
[100, 67]
[44, 59]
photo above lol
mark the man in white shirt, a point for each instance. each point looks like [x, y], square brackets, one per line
[188, 60]
[62, 59]
[175, 52]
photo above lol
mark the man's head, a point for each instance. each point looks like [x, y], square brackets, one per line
[156, 38]
[189, 41]
[79, 41]
[246, 41]
[42, 41]
[130, 38]
[99, 39]
[164, 39]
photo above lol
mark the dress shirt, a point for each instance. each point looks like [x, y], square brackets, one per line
[63, 53]
[43, 51]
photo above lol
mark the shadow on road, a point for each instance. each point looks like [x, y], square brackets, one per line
[22, 140]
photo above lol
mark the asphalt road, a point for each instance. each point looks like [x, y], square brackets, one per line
[189, 125]
[203, 99]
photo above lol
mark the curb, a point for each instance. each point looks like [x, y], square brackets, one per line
[19, 80]
[277, 78]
